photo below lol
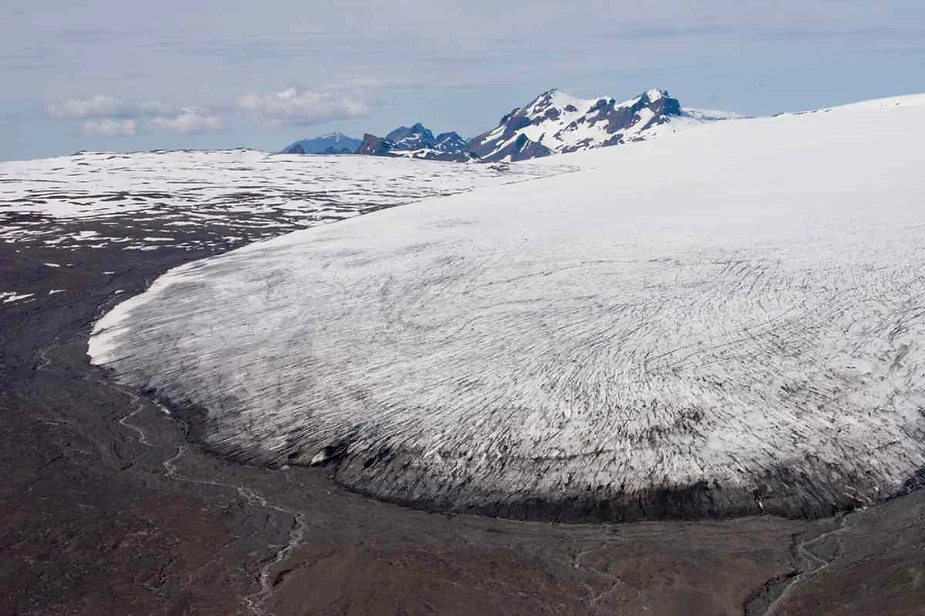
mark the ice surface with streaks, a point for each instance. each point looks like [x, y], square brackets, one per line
[727, 321]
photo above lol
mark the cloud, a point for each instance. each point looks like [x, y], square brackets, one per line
[294, 106]
[190, 120]
[108, 116]
[102, 106]
[95, 106]
[108, 127]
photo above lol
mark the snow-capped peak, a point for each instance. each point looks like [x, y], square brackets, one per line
[336, 137]
[553, 99]
[556, 122]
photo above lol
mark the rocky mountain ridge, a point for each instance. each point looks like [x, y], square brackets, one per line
[555, 122]
[552, 123]
[416, 141]
[332, 143]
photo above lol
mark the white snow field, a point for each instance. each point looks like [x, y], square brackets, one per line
[137, 200]
[727, 321]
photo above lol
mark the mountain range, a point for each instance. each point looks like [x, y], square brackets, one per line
[416, 141]
[332, 143]
[552, 123]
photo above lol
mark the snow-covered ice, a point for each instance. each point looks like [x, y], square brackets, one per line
[734, 314]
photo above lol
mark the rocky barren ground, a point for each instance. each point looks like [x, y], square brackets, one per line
[109, 508]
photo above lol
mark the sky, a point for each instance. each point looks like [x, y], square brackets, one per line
[129, 75]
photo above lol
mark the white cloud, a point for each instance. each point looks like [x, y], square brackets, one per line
[102, 106]
[108, 127]
[108, 116]
[95, 106]
[294, 106]
[189, 120]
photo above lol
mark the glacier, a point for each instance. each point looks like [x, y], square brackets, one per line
[725, 321]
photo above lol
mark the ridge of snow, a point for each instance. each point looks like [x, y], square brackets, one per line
[708, 115]
[907, 100]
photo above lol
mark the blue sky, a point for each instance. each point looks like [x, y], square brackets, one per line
[126, 75]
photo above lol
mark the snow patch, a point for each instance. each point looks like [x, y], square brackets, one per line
[10, 297]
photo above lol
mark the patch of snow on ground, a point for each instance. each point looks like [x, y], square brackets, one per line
[254, 194]
[9, 297]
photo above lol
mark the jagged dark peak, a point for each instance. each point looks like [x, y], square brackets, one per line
[659, 102]
[449, 142]
[402, 132]
[375, 146]
[548, 95]
[654, 95]
[399, 133]
[412, 137]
